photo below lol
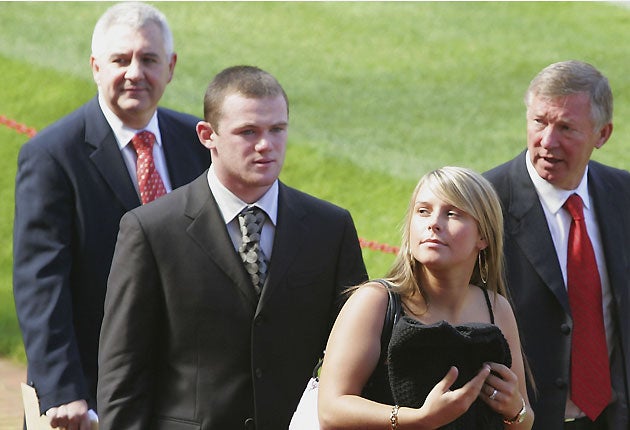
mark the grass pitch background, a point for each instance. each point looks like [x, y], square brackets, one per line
[380, 92]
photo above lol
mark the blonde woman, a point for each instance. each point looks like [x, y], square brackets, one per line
[449, 274]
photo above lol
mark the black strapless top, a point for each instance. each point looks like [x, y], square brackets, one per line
[420, 355]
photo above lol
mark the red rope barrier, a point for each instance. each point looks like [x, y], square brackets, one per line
[382, 247]
[30, 132]
[20, 128]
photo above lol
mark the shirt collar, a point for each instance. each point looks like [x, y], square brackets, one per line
[553, 197]
[230, 205]
[123, 133]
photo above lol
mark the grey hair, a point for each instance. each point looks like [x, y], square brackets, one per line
[134, 15]
[572, 77]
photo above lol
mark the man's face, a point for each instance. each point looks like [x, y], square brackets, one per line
[132, 72]
[248, 144]
[561, 136]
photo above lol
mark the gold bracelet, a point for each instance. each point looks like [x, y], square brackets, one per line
[519, 418]
[393, 417]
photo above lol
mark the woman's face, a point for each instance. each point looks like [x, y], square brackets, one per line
[442, 236]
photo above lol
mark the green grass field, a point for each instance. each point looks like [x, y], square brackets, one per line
[380, 92]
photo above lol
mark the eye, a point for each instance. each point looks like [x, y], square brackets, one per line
[538, 122]
[150, 60]
[120, 61]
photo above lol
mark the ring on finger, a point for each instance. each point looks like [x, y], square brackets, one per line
[493, 395]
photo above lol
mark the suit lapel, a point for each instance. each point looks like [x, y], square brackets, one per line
[106, 156]
[208, 230]
[287, 244]
[182, 150]
[610, 210]
[613, 230]
[527, 224]
[175, 158]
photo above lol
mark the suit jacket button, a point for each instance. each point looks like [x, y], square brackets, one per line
[560, 383]
[565, 329]
[258, 372]
[250, 424]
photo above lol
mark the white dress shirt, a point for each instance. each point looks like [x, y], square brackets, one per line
[230, 206]
[559, 223]
[123, 136]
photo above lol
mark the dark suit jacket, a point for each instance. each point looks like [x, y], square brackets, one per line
[186, 345]
[538, 292]
[72, 188]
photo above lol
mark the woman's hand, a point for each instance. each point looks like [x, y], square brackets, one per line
[444, 405]
[501, 391]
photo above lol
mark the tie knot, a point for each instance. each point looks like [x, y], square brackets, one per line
[143, 141]
[574, 206]
[251, 219]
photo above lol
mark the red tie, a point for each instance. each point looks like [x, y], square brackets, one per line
[590, 371]
[149, 182]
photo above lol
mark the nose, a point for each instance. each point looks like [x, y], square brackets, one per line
[548, 138]
[264, 143]
[134, 70]
[433, 223]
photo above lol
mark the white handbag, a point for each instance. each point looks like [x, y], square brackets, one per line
[305, 416]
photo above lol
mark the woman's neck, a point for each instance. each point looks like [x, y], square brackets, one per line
[447, 294]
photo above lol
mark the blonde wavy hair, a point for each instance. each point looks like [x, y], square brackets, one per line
[472, 193]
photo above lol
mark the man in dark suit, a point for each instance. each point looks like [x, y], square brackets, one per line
[569, 114]
[189, 338]
[75, 180]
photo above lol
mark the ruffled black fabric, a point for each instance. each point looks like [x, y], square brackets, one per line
[420, 355]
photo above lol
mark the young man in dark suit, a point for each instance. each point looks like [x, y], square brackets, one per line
[190, 338]
[75, 180]
[569, 115]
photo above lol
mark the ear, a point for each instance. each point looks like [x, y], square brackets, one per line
[482, 243]
[171, 66]
[95, 68]
[206, 134]
[604, 135]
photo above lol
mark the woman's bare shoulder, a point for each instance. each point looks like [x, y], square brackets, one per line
[500, 303]
[372, 292]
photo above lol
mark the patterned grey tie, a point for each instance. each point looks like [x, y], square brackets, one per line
[251, 220]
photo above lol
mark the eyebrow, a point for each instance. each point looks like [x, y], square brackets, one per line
[251, 124]
[130, 54]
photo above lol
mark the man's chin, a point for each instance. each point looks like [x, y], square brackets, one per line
[132, 105]
[548, 171]
[135, 106]
[557, 178]
[133, 113]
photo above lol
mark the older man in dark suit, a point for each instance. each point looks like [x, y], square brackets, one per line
[579, 385]
[75, 180]
[200, 331]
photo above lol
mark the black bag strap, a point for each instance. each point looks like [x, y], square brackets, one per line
[392, 315]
